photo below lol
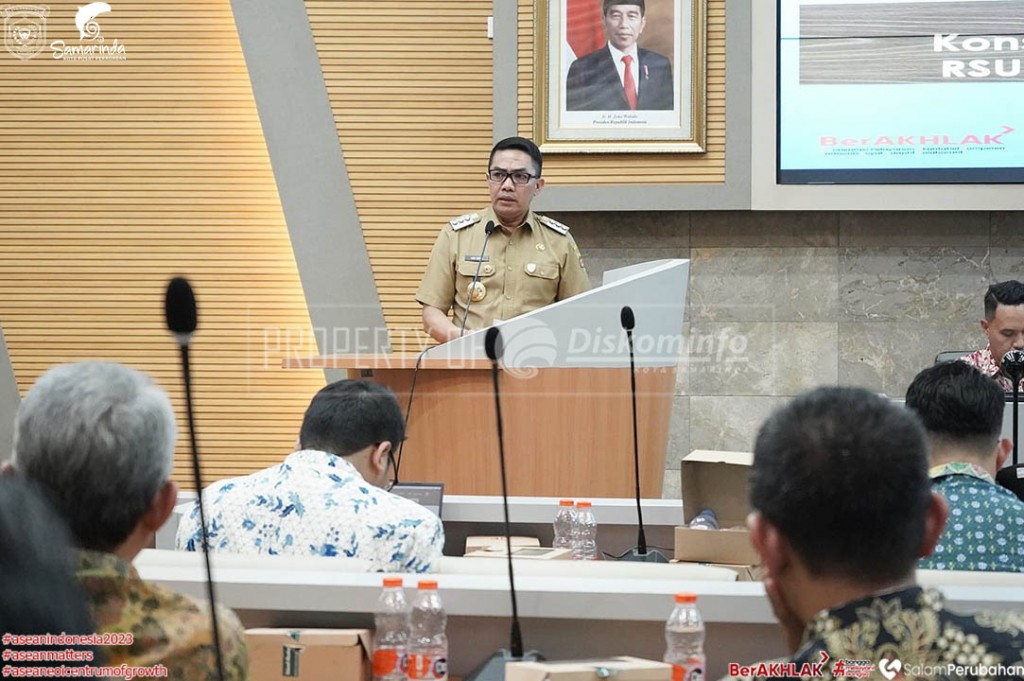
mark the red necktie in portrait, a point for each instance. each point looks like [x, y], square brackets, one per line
[629, 85]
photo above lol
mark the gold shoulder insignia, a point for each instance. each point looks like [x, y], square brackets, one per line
[551, 223]
[464, 221]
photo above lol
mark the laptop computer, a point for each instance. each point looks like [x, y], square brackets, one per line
[429, 495]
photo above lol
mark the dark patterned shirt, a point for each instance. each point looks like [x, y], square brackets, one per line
[906, 634]
[983, 361]
[166, 628]
[986, 522]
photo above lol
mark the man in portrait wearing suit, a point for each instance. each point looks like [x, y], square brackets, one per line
[620, 76]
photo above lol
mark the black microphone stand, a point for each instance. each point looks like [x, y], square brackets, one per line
[639, 554]
[1012, 477]
[493, 668]
[182, 320]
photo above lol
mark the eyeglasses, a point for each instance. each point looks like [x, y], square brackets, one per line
[520, 177]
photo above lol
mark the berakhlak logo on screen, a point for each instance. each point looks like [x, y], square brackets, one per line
[25, 29]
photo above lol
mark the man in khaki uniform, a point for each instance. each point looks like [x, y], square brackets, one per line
[528, 261]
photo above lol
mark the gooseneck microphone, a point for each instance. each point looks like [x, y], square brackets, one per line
[493, 348]
[640, 553]
[493, 668]
[1012, 477]
[488, 230]
[182, 319]
[628, 321]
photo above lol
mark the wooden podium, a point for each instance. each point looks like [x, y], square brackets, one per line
[565, 394]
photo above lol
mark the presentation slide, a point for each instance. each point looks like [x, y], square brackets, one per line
[900, 91]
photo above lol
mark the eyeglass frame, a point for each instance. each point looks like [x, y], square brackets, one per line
[507, 175]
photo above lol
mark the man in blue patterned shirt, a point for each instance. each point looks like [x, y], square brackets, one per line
[327, 499]
[962, 412]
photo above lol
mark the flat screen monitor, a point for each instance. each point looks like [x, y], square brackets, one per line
[900, 91]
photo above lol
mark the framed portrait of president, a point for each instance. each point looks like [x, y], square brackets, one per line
[619, 76]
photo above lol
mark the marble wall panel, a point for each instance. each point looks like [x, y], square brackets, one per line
[764, 284]
[904, 284]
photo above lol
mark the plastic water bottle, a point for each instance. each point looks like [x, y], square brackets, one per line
[391, 622]
[428, 642]
[705, 520]
[565, 522]
[684, 640]
[584, 546]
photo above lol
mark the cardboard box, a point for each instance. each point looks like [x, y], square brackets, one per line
[490, 543]
[715, 480]
[621, 668]
[309, 654]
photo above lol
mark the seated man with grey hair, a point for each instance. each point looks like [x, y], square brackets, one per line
[97, 438]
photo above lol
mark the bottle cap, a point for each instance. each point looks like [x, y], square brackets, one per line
[686, 598]
[392, 582]
[565, 502]
[428, 584]
[583, 504]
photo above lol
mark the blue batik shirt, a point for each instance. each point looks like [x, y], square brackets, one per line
[985, 531]
[317, 504]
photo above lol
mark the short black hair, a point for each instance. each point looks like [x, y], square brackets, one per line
[38, 591]
[520, 144]
[959, 404]
[609, 3]
[842, 473]
[1010, 292]
[350, 415]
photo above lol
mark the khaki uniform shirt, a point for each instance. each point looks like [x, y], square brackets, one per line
[536, 265]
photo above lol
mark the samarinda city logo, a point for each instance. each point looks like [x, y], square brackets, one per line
[25, 34]
[25, 30]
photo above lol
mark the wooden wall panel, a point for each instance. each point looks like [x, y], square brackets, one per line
[115, 176]
[410, 84]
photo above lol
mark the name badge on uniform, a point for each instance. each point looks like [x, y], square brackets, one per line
[477, 258]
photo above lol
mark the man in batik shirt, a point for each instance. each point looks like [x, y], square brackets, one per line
[842, 509]
[962, 412]
[327, 499]
[1004, 327]
[98, 440]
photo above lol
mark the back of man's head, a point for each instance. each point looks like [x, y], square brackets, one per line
[960, 407]
[519, 144]
[349, 415]
[98, 440]
[607, 4]
[1008, 292]
[842, 473]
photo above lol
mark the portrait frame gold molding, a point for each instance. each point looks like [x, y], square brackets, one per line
[564, 123]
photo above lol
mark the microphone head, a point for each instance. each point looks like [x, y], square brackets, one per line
[1012, 364]
[626, 318]
[489, 227]
[492, 344]
[180, 309]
